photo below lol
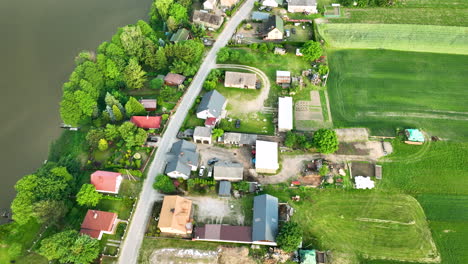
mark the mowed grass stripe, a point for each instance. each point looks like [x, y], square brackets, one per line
[421, 38]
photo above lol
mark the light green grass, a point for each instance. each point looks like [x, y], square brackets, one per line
[302, 35]
[121, 207]
[383, 90]
[255, 123]
[421, 38]
[236, 93]
[435, 3]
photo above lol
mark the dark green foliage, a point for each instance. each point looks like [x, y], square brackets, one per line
[212, 79]
[70, 247]
[133, 107]
[94, 135]
[368, 3]
[311, 50]
[134, 75]
[156, 83]
[164, 184]
[132, 135]
[49, 211]
[326, 141]
[223, 54]
[297, 141]
[241, 186]
[289, 236]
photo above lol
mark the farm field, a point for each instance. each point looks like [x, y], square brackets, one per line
[421, 38]
[395, 225]
[391, 89]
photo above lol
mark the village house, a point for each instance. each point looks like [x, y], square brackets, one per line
[227, 3]
[223, 233]
[202, 135]
[285, 114]
[240, 80]
[228, 171]
[149, 104]
[302, 6]
[146, 122]
[209, 4]
[239, 139]
[206, 19]
[266, 157]
[211, 108]
[174, 218]
[173, 79]
[272, 3]
[96, 223]
[106, 181]
[184, 160]
[265, 220]
[283, 77]
[181, 35]
[273, 28]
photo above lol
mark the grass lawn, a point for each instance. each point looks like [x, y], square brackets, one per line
[365, 224]
[255, 123]
[130, 188]
[237, 94]
[121, 207]
[449, 39]
[393, 89]
[302, 35]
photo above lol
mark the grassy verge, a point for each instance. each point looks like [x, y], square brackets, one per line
[323, 102]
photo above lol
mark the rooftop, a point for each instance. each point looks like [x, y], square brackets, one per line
[285, 113]
[174, 78]
[230, 171]
[224, 233]
[266, 156]
[212, 101]
[202, 132]
[265, 218]
[105, 181]
[302, 2]
[96, 221]
[175, 213]
[146, 122]
[240, 79]
[181, 35]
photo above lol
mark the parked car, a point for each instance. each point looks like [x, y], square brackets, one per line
[268, 9]
[258, 85]
[201, 172]
[212, 161]
[210, 172]
[293, 30]
[238, 123]
[287, 32]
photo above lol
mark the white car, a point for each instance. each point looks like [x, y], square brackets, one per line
[202, 170]
[210, 172]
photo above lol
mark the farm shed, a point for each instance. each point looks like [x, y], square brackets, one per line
[173, 79]
[228, 171]
[240, 80]
[224, 233]
[302, 6]
[266, 157]
[272, 3]
[175, 215]
[240, 139]
[283, 77]
[285, 114]
[207, 19]
[265, 220]
[202, 135]
[279, 51]
[224, 189]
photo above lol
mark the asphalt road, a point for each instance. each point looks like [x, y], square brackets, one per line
[135, 233]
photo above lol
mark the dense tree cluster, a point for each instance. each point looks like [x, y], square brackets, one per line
[174, 13]
[212, 79]
[127, 133]
[311, 50]
[164, 184]
[289, 237]
[70, 247]
[326, 140]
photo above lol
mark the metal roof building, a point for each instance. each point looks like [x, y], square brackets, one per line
[224, 189]
[265, 220]
[228, 171]
[266, 157]
[213, 103]
[285, 114]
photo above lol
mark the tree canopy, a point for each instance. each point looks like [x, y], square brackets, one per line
[289, 237]
[133, 107]
[88, 196]
[326, 141]
[70, 247]
[164, 184]
[311, 50]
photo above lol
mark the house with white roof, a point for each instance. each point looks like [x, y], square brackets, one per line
[285, 114]
[266, 157]
[302, 6]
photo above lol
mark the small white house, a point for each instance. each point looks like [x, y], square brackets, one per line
[202, 135]
[266, 157]
[285, 114]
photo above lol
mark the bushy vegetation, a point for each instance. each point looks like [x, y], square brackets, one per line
[164, 184]
[289, 237]
[201, 186]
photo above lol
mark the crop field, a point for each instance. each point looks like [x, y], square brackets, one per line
[371, 225]
[421, 38]
[383, 90]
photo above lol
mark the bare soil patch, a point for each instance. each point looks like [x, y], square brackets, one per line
[237, 255]
[210, 210]
[183, 256]
[352, 134]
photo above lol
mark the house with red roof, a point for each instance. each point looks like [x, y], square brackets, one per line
[106, 181]
[96, 223]
[147, 122]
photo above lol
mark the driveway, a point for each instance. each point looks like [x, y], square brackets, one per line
[141, 214]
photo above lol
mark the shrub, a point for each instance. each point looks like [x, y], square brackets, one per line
[311, 50]
[164, 184]
[326, 140]
[289, 236]
[156, 83]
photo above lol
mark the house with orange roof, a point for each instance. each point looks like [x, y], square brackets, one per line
[96, 223]
[106, 181]
[175, 215]
[146, 122]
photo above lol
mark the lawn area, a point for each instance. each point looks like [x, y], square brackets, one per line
[236, 94]
[302, 35]
[24, 235]
[255, 123]
[393, 89]
[421, 38]
[121, 207]
[364, 224]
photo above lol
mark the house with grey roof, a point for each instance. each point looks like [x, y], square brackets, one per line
[265, 220]
[228, 171]
[302, 6]
[240, 139]
[224, 189]
[206, 19]
[212, 107]
[183, 160]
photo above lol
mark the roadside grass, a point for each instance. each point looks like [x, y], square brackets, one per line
[255, 123]
[436, 168]
[421, 38]
[120, 206]
[393, 89]
[372, 225]
[416, 15]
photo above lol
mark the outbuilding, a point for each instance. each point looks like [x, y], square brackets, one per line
[228, 171]
[202, 135]
[149, 104]
[239, 139]
[302, 6]
[285, 114]
[173, 79]
[147, 122]
[265, 220]
[224, 189]
[283, 77]
[266, 157]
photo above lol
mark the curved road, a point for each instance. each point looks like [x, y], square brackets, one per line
[136, 231]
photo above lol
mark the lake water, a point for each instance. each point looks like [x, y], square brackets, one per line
[38, 42]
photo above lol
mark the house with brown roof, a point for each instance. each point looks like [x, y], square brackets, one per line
[240, 80]
[147, 122]
[206, 19]
[224, 233]
[149, 104]
[175, 215]
[96, 223]
[106, 181]
[173, 79]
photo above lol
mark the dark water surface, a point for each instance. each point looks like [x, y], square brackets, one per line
[38, 42]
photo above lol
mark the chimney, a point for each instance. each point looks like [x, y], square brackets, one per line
[172, 210]
[95, 214]
[147, 116]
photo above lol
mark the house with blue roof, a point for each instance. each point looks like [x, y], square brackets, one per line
[265, 220]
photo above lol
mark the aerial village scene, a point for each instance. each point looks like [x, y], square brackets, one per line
[269, 131]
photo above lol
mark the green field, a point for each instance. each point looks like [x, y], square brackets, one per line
[383, 89]
[422, 38]
[364, 224]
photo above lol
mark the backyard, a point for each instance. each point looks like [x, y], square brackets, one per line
[393, 89]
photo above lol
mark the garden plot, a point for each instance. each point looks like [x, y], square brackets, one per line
[307, 111]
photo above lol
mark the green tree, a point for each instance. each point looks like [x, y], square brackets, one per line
[22, 207]
[134, 75]
[84, 250]
[324, 170]
[84, 56]
[178, 12]
[117, 113]
[156, 83]
[132, 40]
[217, 132]
[132, 135]
[326, 141]
[93, 137]
[289, 236]
[133, 107]
[311, 50]
[209, 85]
[290, 140]
[103, 145]
[223, 54]
[323, 69]
[164, 184]
[149, 53]
[263, 48]
[88, 196]
[161, 7]
[111, 132]
[186, 3]
[161, 60]
[49, 211]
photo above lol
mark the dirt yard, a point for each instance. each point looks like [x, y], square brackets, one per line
[240, 155]
[183, 256]
[352, 134]
[211, 210]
